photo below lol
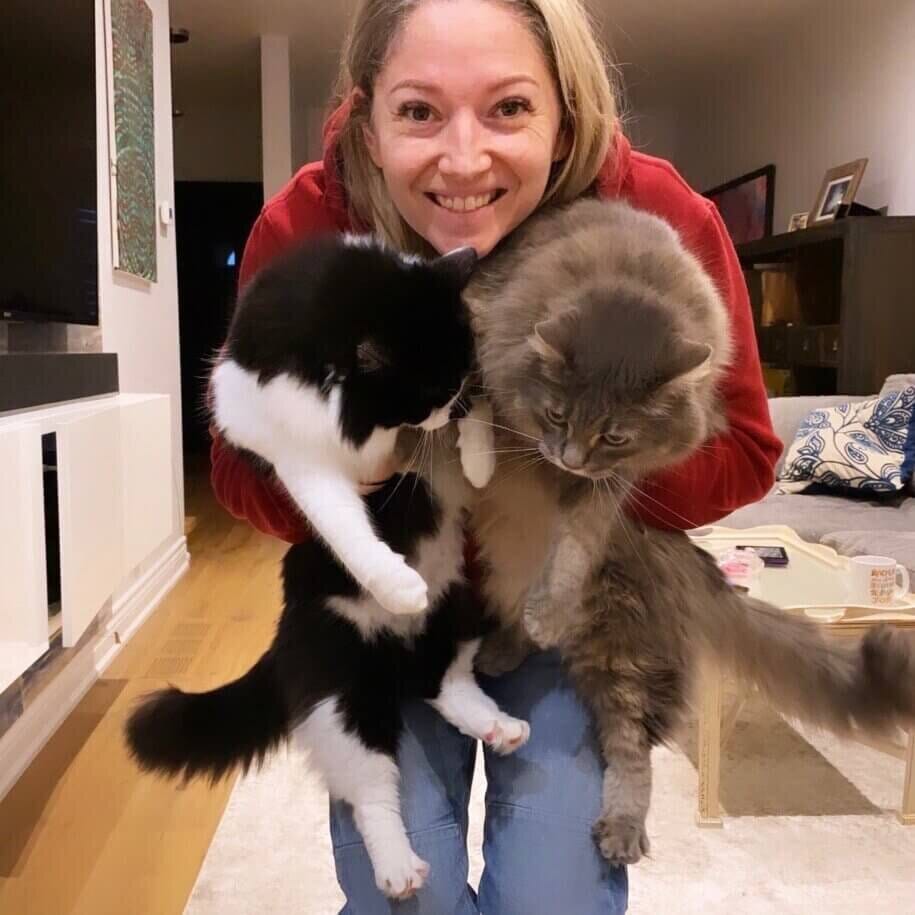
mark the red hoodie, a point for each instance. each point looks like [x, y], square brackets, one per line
[732, 470]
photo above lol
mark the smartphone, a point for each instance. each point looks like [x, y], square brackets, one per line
[772, 556]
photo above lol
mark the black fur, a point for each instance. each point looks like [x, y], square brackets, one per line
[314, 310]
[316, 653]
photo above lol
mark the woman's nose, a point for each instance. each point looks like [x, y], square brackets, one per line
[465, 154]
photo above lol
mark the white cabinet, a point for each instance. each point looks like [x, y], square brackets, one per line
[23, 586]
[91, 521]
[116, 506]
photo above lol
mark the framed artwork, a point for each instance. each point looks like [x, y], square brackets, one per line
[131, 130]
[840, 184]
[746, 204]
[797, 221]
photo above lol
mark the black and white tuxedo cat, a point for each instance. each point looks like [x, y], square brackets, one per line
[335, 352]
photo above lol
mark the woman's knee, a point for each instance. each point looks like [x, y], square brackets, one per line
[541, 865]
[542, 801]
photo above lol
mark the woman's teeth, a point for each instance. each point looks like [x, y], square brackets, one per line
[465, 204]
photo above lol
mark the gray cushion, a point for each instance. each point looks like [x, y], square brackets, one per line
[897, 545]
[815, 516]
[897, 383]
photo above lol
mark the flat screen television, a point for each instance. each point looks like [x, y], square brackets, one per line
[48, 184]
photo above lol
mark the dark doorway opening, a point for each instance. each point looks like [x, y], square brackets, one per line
[212, 222]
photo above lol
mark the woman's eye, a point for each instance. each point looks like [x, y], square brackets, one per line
[511, 108]
[616, 439]
[418, 113]
[555, 417]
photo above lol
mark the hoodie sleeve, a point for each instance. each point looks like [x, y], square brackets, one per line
[239, 487]
[737, 467]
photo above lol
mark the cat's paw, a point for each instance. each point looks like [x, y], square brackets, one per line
[475, 443]
[502, 652]
[621, 839]
[401, 878]
[537, 624]
[402, 590]
[478, 468]
[506, 734]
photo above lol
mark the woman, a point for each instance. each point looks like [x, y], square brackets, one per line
[457, 120]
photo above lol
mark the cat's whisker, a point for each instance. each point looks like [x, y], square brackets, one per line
[403, 473]
[506, 451]
[471, 419]
[622, 523]
[632, 487]
[528, 464]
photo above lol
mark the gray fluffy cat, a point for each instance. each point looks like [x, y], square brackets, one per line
[602, 343]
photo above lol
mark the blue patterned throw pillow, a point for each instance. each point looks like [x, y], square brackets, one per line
[867, 446]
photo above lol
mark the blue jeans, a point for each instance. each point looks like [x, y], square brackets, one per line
[540, 804]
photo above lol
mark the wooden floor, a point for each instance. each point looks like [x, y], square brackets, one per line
[83, 831]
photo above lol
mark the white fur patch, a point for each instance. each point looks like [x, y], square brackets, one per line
[439, 561]
[370, 782]
[476, 444]
[290, 424]
[462, 703]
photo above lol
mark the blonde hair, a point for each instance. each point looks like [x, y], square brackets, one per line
[568, 41]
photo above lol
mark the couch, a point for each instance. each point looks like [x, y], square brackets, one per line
[851, 526]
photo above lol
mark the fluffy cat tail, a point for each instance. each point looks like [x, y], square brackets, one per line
[208, 734]
[868, 683]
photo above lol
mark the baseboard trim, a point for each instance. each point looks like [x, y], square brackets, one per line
[25, 739]
[131, 609]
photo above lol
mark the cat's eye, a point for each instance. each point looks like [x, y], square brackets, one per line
[555, 416]
[616, 439]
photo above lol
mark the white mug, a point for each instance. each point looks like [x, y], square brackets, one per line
[876, 580]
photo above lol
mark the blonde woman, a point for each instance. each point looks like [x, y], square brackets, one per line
[457, 119]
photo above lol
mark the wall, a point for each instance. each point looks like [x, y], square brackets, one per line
[216, 140]
[139, 320]
[835, 87]
[307, 133]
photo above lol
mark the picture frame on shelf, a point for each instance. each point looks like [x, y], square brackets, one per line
[797, 221]
[837, 192]
[746, 204]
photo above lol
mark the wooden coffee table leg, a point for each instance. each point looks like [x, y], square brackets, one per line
[709, 814]
[907, 811]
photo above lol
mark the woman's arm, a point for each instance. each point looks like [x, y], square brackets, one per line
[244, 491]
[735, 468]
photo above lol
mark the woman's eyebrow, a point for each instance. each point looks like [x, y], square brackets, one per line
[432, 88]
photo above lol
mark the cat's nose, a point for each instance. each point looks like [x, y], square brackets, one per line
[573, 456]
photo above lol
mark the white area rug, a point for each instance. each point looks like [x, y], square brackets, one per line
[809, 829]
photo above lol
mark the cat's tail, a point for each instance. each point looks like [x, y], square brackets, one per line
[209, 734]
[866, 683]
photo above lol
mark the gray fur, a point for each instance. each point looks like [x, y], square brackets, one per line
[633, 609]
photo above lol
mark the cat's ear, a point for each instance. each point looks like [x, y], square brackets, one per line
[693, 362]
[371, 357]
[458, 264]
[550, 338]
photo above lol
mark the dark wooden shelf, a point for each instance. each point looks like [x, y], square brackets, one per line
[855, 287]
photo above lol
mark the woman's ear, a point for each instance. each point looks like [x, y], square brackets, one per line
[563, 143]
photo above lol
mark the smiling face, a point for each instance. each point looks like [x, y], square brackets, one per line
[465, 123]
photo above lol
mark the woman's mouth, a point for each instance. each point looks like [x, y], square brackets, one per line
[466, 204]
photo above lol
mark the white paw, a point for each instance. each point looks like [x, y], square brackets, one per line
[507, 735]
[475, 443]
[401, 879]
[401, 590]
[478, 467]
